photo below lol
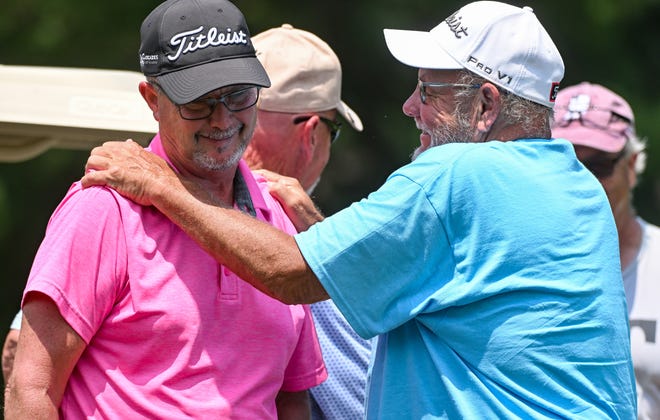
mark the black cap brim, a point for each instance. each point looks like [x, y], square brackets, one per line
[186, 85]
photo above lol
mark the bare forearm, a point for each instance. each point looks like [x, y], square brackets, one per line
[48, 349]
[264, 256]
[26, 404]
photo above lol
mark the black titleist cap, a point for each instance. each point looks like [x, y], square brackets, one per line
[194, 47]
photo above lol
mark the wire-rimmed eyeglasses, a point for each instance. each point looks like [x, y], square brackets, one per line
[235, 101]
[333, 126]
[423, 85]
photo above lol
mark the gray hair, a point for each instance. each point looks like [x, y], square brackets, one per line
[516, 110]
[636, 145]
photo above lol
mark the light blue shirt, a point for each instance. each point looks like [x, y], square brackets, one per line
[491, 272]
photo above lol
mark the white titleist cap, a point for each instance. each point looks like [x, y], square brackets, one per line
[504, 44]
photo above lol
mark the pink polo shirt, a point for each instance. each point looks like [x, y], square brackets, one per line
[170, 333]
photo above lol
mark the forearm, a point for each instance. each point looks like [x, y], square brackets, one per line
[264, 256]
[28, 404]
[48, 349]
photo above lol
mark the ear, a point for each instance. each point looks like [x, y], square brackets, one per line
[150, 96]
[488, 107]
[309, 140]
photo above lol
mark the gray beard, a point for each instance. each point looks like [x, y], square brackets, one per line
[460, 132]
[205, 162]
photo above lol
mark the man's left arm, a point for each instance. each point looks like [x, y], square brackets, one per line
[48, 350]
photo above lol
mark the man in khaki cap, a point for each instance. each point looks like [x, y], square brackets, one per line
[297, 118]
[296, 124]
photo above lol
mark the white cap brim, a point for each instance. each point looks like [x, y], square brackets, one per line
[419, 49]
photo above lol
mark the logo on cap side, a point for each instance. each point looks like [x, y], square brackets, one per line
[554, 90]
[148, 59]
[189, 41]
[480, 66]
[577, 107]
[454, 24]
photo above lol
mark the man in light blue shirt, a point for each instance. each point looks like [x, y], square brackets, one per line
[487, 307]
[488, 267]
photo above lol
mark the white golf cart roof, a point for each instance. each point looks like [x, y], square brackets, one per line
[69, 108]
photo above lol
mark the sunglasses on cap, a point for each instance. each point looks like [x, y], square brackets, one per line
[594, 117]
[333, 126]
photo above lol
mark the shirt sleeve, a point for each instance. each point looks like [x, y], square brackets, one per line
[81, 261]
[306, 368]
[374, 258]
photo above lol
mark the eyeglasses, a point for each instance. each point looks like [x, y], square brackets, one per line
[334, 126]
[235, 101]
[603, 167]
[423, 85]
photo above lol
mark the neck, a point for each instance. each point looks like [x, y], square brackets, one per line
[218, 185]
[509, 132]
[270, 159]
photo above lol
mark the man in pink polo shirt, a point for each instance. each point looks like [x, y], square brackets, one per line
[126, 316]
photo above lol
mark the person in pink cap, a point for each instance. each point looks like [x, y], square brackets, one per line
[601, 126]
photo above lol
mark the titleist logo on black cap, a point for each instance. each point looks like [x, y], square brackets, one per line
[193, 40]
[197, 46]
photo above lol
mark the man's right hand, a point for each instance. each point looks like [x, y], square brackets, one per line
[130, 170]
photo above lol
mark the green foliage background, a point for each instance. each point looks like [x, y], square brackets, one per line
[611, 42]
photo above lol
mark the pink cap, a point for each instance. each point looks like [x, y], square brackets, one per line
[593, 116]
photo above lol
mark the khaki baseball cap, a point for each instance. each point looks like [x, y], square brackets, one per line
[305, 73]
